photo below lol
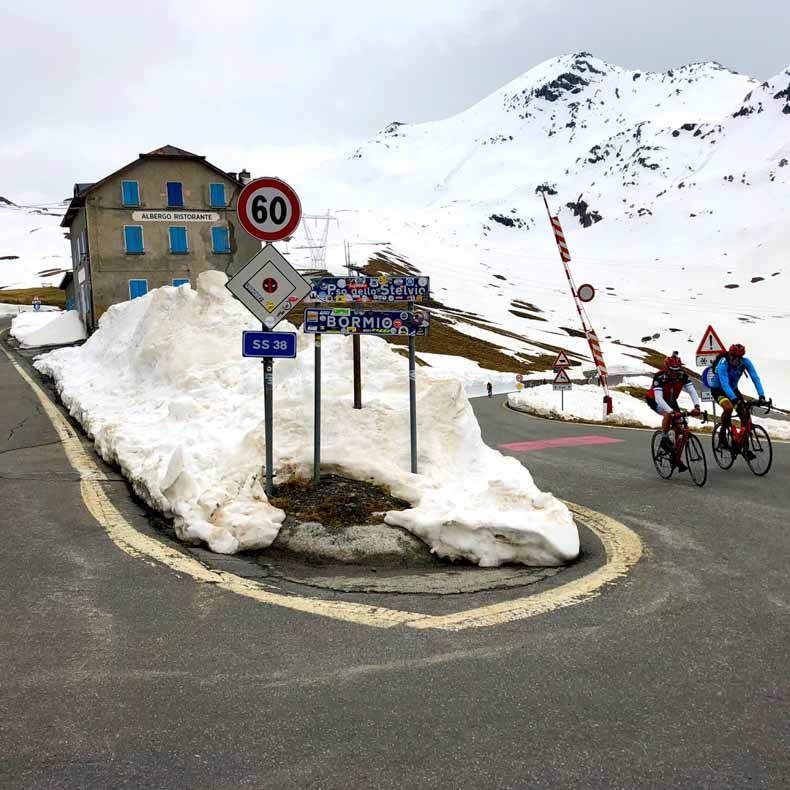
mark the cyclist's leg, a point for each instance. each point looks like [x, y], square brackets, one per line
[726, 406]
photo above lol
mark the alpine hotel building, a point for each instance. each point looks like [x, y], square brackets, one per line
[160, 220]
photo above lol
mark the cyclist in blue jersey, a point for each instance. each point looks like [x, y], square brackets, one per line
[727, 372]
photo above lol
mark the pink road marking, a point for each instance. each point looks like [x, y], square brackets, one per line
[571, 441]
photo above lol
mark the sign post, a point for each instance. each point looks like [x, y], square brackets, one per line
[562, 382]
[268, 286]
[36, 303]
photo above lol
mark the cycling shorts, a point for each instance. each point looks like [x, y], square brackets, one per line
[653, 404]
[719, 395]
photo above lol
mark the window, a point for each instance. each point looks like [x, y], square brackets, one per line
[178, 240]
[137, 288]
[175, 196]
[178, 282]
[131, 193]
[133, 239]
[220, 239]
[217, 195]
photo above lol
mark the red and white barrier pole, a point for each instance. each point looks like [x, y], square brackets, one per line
[589, 332]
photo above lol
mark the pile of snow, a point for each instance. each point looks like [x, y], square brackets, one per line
[165, 393]
[586, 403]
[47, 328]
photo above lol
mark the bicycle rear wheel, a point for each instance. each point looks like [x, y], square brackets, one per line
[662, 459]
[723, 455]
[695, 460]
[759, 443]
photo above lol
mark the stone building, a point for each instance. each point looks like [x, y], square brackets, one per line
[160, 220]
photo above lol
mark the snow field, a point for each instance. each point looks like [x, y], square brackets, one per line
[163, 390]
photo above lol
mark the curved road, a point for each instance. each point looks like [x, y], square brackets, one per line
[117, 672]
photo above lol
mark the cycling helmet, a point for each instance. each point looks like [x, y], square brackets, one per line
[737, 350]
[673, 363]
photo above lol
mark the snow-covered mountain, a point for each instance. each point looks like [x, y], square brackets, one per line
[33, 250]
[673, 190]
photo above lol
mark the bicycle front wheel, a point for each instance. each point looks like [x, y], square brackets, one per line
[722, 447]
[759, 453]
[695, 460]
[662, 459]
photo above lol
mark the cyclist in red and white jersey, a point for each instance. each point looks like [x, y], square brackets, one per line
[663, 394]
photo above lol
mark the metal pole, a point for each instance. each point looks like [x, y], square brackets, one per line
[413, 397]
[268, 370]
[357, 372]
[317, 413]
[562, 400]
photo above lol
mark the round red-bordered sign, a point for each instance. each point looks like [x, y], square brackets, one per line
[269, 209]
[586, 293]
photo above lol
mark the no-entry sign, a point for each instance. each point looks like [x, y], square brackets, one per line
[269, 209]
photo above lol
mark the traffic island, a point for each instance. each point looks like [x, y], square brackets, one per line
[334, 537]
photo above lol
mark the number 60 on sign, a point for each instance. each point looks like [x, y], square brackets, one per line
[269, 209]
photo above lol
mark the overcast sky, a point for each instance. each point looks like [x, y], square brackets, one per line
[89, 84]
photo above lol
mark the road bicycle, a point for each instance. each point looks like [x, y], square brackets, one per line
[749, 440]
[667, 458]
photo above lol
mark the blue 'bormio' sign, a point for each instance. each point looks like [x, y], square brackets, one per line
[268, 344]
[345, 321]
[370, 289]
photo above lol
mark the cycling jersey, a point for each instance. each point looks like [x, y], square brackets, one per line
[664, 391]
[727, 376]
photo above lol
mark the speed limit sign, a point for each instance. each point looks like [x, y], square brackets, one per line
[269, 209]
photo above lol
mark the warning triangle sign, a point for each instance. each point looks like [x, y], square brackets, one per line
[562, 377]
[562, 361]
[710, 343]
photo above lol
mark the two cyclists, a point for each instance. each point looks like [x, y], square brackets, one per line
[663, 395]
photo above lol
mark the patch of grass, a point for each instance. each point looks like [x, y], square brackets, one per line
[53, 297]
[335, 501]
[637, 392]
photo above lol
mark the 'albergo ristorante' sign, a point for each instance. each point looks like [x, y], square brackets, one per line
[175, 216]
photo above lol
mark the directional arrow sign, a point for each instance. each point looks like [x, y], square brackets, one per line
[268, 286]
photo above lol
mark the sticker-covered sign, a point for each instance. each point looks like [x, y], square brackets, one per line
[370, 289]
[345, 321]
[268, 286]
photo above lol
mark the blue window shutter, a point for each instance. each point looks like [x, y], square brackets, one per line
[133, 237]
[180, 281]
[131, 193]
[175, 196]
[220, 239]
[178, 239]
[217, 194]
[137, 288]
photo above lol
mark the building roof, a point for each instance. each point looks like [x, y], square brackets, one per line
[81, 190]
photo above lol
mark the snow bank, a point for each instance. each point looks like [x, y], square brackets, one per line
[585, 402]
[164, 391]
[47, 328]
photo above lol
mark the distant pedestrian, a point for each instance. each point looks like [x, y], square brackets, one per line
[490, 389]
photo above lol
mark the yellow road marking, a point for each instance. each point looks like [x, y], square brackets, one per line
[623, 549]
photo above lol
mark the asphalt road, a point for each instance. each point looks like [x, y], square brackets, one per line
[116, 672]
